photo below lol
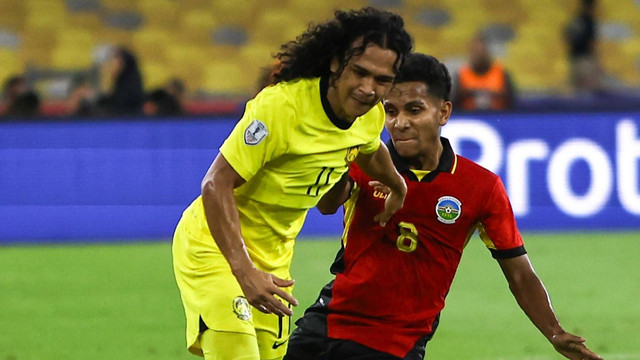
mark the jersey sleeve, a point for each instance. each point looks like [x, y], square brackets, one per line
[497, 227]
[260, 134]
[377, 114]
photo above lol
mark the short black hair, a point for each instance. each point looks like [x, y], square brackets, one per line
[426, 69]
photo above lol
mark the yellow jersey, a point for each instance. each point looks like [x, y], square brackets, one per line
[290, 148]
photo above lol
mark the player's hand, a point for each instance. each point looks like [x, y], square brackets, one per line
[380, 187]
[260, 289]
[572, 347]
[392, 203]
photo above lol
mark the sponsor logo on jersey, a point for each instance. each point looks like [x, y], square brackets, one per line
[352, 152]
[241, 308]
[448, 209]
[379, 194]
[255, 132]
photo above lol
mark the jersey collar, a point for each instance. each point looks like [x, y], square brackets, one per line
[324, 88]
[447, 162]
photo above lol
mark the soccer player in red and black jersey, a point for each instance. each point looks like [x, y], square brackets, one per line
[391, 282]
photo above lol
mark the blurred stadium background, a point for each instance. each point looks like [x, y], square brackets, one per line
[570, 162]
[217, 47]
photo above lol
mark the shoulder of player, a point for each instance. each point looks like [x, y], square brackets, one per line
[377, 111]
[468, 167]
[371, 122]
[292, 96]
[279, 95]
[276, 105]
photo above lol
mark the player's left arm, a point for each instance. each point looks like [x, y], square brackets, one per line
[379, 166]
[534, 300]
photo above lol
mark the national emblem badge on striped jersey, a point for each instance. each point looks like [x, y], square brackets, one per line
[255, 132]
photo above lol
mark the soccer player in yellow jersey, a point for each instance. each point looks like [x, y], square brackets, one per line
[233, 246]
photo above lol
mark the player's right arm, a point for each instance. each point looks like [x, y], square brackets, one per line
[379, 166]
[338, 195]
[224, 223]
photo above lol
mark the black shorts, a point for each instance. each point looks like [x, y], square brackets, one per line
[309, 340]
[307, 346]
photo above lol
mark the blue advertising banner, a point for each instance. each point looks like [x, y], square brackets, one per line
[123, 180]
[562, 171]
[102, 180]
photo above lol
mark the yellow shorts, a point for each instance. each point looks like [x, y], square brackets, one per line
[212, 297]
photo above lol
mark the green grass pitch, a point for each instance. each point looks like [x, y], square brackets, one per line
[119, 301]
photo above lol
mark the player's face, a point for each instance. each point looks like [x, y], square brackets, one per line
[414, 119]
[363, 82]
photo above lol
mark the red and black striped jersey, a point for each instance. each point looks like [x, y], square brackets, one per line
[391, 281]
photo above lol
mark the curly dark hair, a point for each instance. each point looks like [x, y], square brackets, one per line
[310, 54]
[426, 69]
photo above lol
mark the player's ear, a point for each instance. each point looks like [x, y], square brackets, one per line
[334, 65]
[445, 112]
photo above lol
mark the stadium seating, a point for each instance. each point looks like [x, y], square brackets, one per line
[11, 63]
[218, 46]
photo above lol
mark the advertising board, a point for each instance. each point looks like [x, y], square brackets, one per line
[121, 180]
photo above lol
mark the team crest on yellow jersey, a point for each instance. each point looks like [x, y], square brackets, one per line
[352, 153]
[241, 308]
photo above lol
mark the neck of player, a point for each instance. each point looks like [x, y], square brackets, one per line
[428, 158]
